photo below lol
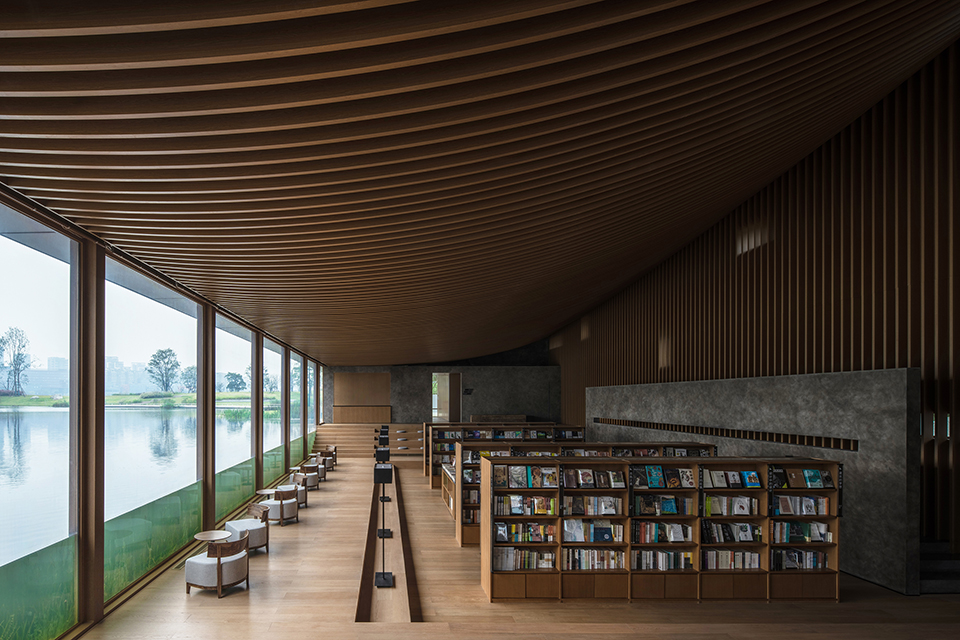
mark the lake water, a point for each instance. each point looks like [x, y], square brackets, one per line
[149, 453]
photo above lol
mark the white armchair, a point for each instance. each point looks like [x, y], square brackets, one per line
[299, 485]
[283, 506]
[256, 526]
[225, 564]
[311, 473]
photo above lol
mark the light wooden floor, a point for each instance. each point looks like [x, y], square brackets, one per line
[308, 585]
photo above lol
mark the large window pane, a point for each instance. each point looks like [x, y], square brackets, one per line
[234, 436]
[38, 541]
[311, 391]
[151, 488]
[296, 426]
[272, 416]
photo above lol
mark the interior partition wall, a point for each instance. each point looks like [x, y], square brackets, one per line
[846, 262]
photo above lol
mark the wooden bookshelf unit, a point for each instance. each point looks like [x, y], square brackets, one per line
[440, 439]
[467, 461]
[693, 528]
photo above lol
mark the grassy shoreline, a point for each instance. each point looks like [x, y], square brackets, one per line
[177, 399]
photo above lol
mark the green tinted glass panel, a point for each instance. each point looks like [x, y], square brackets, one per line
[273, 465]
[234, 487]
[38, 593]
[139, 540]
[296, 450]
[311, 438]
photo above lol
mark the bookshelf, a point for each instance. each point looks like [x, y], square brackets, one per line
[448, 487]
[715, 529]
[466, 512]
[441, 439]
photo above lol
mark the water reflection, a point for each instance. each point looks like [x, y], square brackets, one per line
[163, 442]
[13, 464]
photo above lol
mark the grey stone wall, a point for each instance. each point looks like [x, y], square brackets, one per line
[880, 527]
[534, 391]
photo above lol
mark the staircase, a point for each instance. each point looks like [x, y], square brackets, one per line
[939, 569]
[357, 440]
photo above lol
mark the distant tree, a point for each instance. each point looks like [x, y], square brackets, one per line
[164, 369]
[14, 350]
[188, 377]
[235, 382]
[295, 376]
[218, 387]
[270, 383]
[3, 351]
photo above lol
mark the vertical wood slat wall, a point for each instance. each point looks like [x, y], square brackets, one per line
[849, 264]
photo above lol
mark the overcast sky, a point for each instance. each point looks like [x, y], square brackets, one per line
[35, 296]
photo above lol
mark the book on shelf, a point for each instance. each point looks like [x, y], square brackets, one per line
[573, 530]
[795, 479]
[645, 452]
[730, 506]
[518, 477]
[530, 532]
[801, 505]
[570, 478]
[515, 505]
[778, 478]
[514, 559]
[602, 479]
[661, 560]
[730, 559]
[686, 479]
[655, 477]
[733, 480]
[655, 505]
[672, 477]
[649, 532]
[579, 559]
[585, 478]
[719, 479]
[592, 505]
[534, 477]
[616, 480]
[499, 476]
[812, 478]
[707, 479]
[798, 560]
[827, 478]
[468, 476]
[751, 480]
[549, 477]
[715, 532]
[792, 532]
[638, 477]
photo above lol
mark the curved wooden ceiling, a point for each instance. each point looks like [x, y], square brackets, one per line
[388, 182]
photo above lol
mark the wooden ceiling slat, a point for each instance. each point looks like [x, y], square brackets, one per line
[315, 169]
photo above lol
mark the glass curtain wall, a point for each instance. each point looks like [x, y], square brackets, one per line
[296, 423]
[272, 411]
[235, 469]
[151, 481]
[311, 391]
[38, 533]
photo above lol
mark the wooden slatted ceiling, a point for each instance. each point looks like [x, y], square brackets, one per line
[396, 182]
